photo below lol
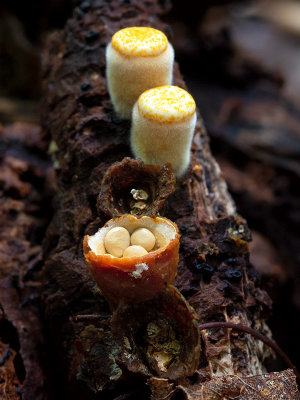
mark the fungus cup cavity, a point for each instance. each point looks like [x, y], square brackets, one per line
[163, 124]
[137, 59]
[159, 337]
[133, 278]
[131, 187]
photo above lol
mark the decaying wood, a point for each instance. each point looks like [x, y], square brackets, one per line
[23, 173]
[214, 274]
[253, 122]
[276, 385]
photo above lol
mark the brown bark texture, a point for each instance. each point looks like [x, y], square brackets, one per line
[26, 184]
[104, 357]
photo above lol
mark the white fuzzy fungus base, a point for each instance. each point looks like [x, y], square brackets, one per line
[128, 77]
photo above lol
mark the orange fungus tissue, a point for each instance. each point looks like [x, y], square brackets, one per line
[132, 273]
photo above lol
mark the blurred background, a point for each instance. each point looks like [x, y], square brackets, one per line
[241, 62]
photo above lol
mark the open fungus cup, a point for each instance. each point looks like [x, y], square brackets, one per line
[158, 337]
[116, 196]
[134, 279]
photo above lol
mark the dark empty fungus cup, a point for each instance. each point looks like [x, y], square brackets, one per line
[125, 181]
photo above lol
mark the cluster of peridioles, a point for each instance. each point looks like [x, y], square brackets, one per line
[135, 259]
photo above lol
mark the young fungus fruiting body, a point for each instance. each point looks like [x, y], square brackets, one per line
[137, 275]
[163, 124]
[137, 59]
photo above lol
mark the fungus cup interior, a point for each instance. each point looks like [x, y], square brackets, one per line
[133, 279]
[115, 196]
[163, 230]
[159, 337]
[121, 189]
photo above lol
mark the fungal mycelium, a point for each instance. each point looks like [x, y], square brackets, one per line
[163, 124]
[137, 59]
[132, 259]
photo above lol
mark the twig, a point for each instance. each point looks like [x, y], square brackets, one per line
[5, 355]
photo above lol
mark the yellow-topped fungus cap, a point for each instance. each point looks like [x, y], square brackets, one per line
[139, 42]
[163, 125]
[166, 104]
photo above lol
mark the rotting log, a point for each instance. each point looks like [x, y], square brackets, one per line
[214, 273]
[26, 184]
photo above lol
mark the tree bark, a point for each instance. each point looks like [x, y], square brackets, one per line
[214, 272]
[26, 184]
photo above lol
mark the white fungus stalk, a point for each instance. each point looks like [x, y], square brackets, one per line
[137, 59]
[163, 124]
